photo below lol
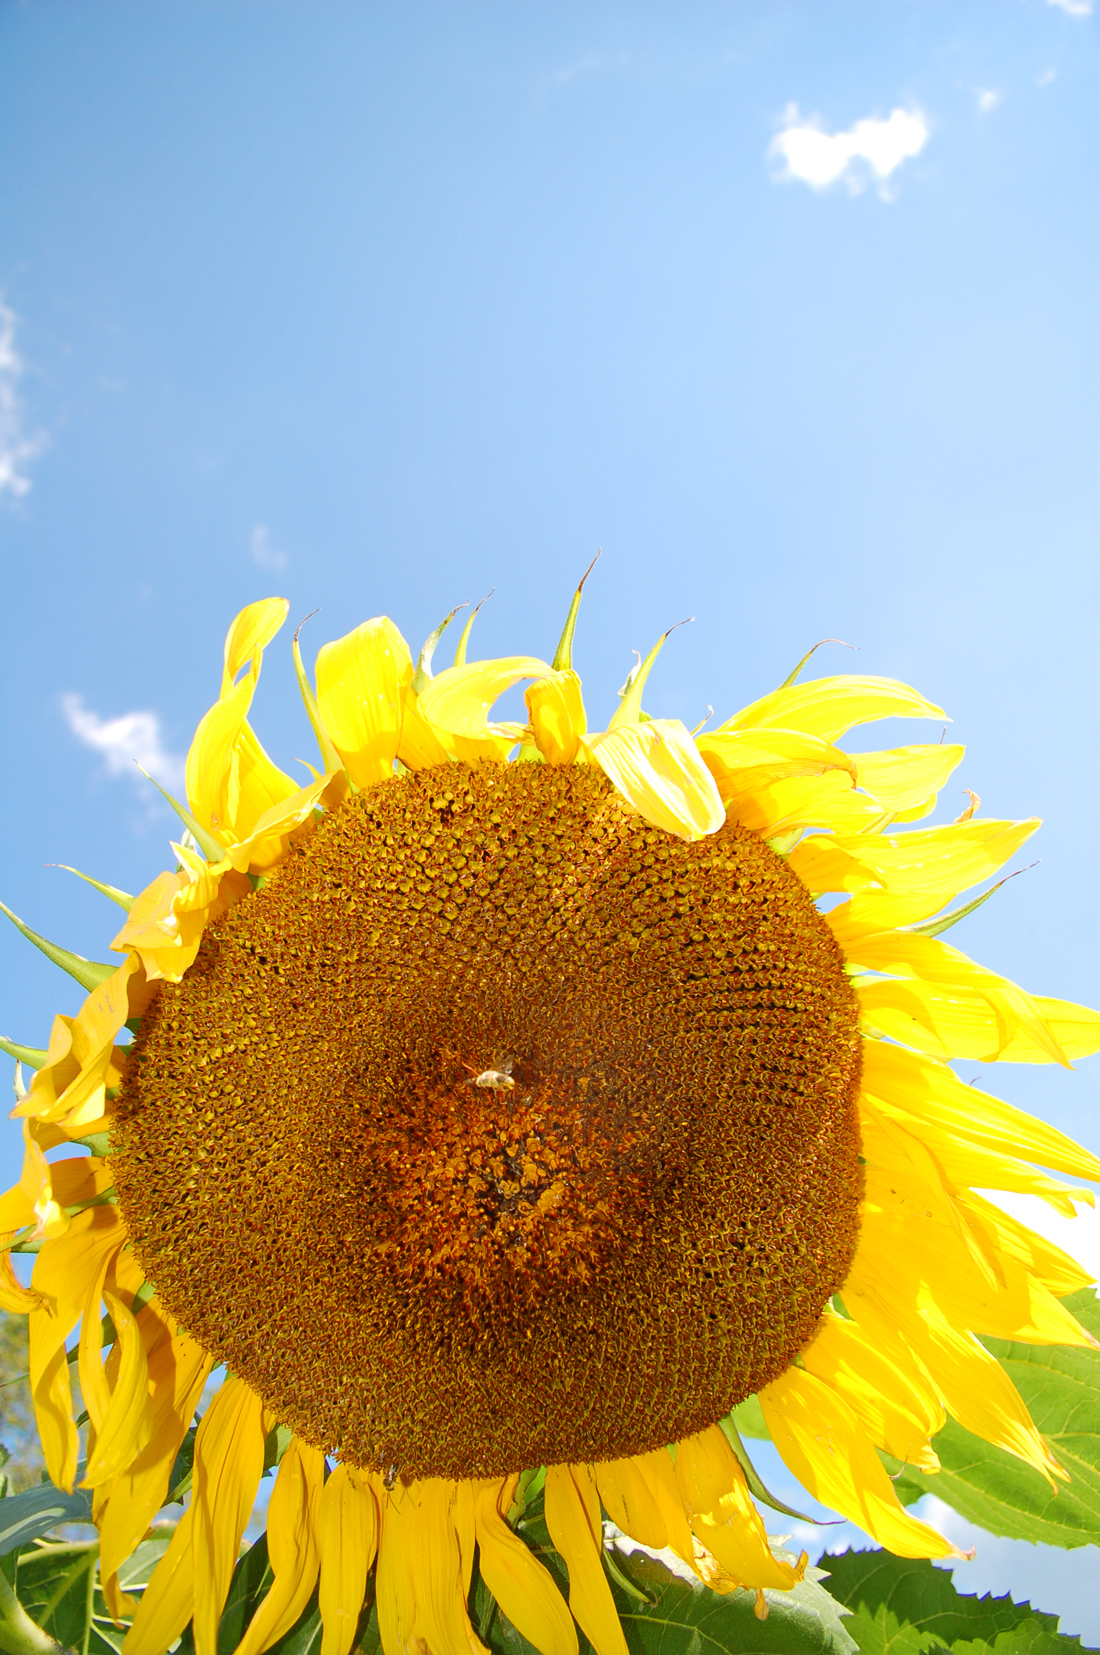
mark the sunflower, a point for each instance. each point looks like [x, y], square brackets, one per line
[503, 1108]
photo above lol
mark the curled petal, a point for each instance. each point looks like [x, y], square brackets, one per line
[657, 767]
[361, 680]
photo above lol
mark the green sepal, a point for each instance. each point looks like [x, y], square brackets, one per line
[792, 677]
[528, 1489]
[211, 849]
[276, 1443]
[563, 656]
[629, 710]
[330, 758]
[422, 677]
[460, 652]
[33, 1056]
[933, 927]
[111, 891]
[98, 1143]
[88, 973]
[753, 1478]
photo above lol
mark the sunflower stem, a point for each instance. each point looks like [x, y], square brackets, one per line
[19, 1635]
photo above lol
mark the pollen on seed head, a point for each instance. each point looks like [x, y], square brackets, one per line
[531, 1135]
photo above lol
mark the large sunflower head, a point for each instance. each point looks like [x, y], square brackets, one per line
[504, 1107]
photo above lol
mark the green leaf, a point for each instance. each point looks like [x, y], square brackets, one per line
[1061, 1386]
[88, 973]
[134, 1576]
[27, 1516]
[904, 1606]
[179, 1480]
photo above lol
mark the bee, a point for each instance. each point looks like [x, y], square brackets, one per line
[389, 1478]
[498, 1080]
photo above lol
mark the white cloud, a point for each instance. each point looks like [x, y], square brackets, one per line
[988, 98]
[125, 742]
[16, 448]
[264, 554]
[870, 148]
[1047, 77]
[1073, 8]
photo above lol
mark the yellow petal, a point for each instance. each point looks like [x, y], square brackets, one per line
[178, 1370]
[348, 1539]
[292, 1547]
[252, 630]
[230, 780]
[127, 1427]
[656, 766]
[828, 801]
[894, 1413]
[1011, 1011]
[827, 707]
[557, 716]
[658, 1474]
[1040, 1257]
[932, 1092]
[959, 1020]
[1076, 1029]
[422, 1575]
[70, 1088]
[166, 1604]
[743, 760]
[573, 1519]
[229, 1455]
[361, 680]
[459, 699]
[165, 925]
[902, 778]
[626, 1497]
[517, 1580]
[287, 822]
[722, 1514]
[975, 1389]
[818, 1436]
[66, 1274]
[905, 876]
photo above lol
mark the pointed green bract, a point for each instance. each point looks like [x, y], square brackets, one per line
[422, 677]
[111, 891]
[211, 849]
[753, 1478]
[330, 758]
[944, 922]
[460, 652]
[88, 973]
[793, 677]
[32, 1056]
[629, 710]
[563, 657]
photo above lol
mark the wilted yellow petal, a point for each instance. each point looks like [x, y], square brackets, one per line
[723, 1516]
[657, 767]
[361, 680]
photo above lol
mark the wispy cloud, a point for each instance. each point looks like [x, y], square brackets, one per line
[264, 554]
[873, 148]
[583, 66]
[125, 742]
[1073, 8]
[988, 98]
[17, 449]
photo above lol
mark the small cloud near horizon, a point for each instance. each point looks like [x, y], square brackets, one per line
[125, 742]
[870, 148]
[264, 554]
[1073, 8]
[17, 449]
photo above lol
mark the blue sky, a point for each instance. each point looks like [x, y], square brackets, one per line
[789, 307]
